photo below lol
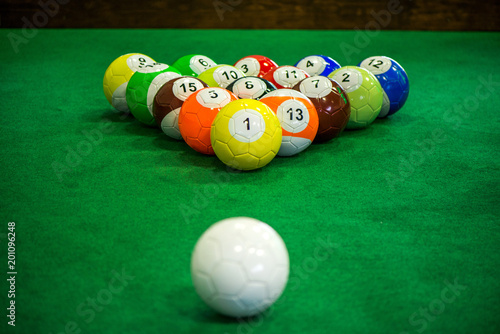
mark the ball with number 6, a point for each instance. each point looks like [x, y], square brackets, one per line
[197, 115]
[255, 65]
[220, 76]
[251, 87]
[392, 78]
[193, 65]
[168, 102]
[285, 76]
[298, 119]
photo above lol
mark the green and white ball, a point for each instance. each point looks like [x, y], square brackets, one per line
[193, 65]
[364, 92]
[142, 88]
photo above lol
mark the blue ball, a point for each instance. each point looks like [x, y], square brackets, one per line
[318, 65]
[392, 78]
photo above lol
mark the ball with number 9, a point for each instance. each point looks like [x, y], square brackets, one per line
[220, 76]
[197, 115]
[298, 119]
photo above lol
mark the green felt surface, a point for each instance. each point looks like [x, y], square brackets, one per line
[397, 211]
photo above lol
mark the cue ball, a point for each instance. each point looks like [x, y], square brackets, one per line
[246, 134]
[331, 103]
[168, 101]
[240, 266]
[285, 76]
[197, 115]
[392, 78]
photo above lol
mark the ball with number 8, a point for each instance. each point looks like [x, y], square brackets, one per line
[220, 76]
[255, 65]
[251, 87]
[246, 134]
[197, 115]
[193, 65]
[285, 76]
[298, 119]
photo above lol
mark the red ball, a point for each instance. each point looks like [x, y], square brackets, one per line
[285, 76]
[256, 66]
[168, 101]
[331, 102]
[197, 115]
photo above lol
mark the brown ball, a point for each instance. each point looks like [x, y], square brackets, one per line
[168, 101]
[331, 102]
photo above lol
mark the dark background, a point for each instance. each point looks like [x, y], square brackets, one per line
[444, 15]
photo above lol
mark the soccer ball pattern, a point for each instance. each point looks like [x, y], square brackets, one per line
[332, 105]
[394, 82]
[251, 87]
[119, 73]
[364, 92]
[220, 76]
[246, 134]
[255, 65]
[168, 101]
[197, 115]
[298, 119]
[193, 65]
[240, 266]
[318, 65]
[142, 88]
[285, 76]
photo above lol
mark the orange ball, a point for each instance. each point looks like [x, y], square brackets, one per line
[197, 115]
[298, 117]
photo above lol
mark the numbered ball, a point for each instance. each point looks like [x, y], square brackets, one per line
[193, 65]
[285, 76]
[168, 102]
[392, 78]
[331, 103]
[220, 76]
[197, 115]
[318, 65]
[246, 134]
[364, 93]
[142, 88]
[240, 266]
[298, 119]
[251, 87]
[119, 73]
[255, 65]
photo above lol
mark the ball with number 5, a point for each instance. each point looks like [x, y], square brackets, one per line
[285, 76]
[220, 76]
[392, 78]
[298, 118]
[198, 113]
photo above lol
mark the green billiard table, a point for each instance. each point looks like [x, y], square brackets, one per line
[390, 229]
